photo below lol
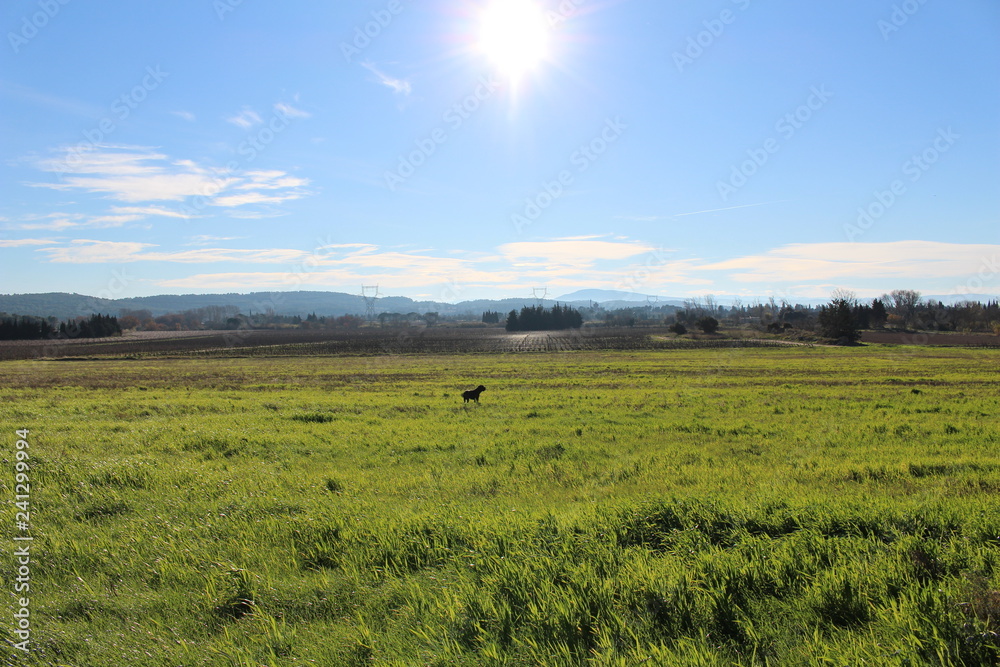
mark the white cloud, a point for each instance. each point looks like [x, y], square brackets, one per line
[186, 115]
[20, 243]
[150, 211]
[233, 281]
[145, 177]
[270, 180]
[132, 174]
[116, 216]
[796, 270]
[289, 111]
[246, 119]
[340, 266]
[203, 239]
[832, 262]
[399, 86]
[86, 251]
[96, 252]
[578, 252]
[244, 198]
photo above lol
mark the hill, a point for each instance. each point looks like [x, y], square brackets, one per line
[63, 305]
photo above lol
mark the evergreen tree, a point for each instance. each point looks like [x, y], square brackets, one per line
[836, 320]
[512, 322]
[878, 316]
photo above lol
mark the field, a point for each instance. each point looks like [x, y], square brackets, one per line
[366, 341]
[787, 505]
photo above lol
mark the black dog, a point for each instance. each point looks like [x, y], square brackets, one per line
[473, 394]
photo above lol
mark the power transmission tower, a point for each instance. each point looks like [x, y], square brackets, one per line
[651, 302]
[540, 293]
[370, 294]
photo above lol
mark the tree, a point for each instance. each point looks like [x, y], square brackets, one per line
[537, 318]
[902, 302]
[878, 315]
[844, 294]
[678, 328]
[837, 321]
[708, 324]
[512, 323]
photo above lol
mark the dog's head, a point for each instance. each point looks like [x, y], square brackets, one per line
[480, 388]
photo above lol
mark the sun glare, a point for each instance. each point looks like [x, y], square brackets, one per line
[514, 36]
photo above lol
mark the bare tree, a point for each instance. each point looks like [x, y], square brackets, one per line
[844, 294]
[710, 305]
[902, 302]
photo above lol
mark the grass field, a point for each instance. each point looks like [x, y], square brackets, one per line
[780, 506]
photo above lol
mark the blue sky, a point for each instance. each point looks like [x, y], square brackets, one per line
[731, 147]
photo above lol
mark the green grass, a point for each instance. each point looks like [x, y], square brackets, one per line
[777, 506]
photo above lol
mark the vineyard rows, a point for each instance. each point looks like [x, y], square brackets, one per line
[365, 342]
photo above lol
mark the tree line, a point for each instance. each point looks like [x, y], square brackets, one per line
[898, 309]
[539, 318]
[14, 327]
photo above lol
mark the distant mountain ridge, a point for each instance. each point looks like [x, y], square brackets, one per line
[607, 296]
[64, 305]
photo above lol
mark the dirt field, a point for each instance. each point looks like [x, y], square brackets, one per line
[420, 340]
[414, 340]
[930, 338]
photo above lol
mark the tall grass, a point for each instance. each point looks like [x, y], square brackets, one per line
[753, 507]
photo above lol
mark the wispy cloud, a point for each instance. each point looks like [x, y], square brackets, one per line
[563, 263]
[116, 216]
[87, 251]
[246, 118]
[815, 262]
[149, 211]
[728, 208]
[186, 115]
[571, 252]
[398, 86]
[144, 177]
[204, 239]
[270, 180]
[289, 111]
[20, 243]
[244, 198]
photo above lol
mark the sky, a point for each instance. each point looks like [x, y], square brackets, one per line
[451, 150]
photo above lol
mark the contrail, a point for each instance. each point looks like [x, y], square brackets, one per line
[729, 208]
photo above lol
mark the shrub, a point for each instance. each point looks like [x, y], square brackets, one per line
[708, 324]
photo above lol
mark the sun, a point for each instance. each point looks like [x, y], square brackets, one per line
[514, 36]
